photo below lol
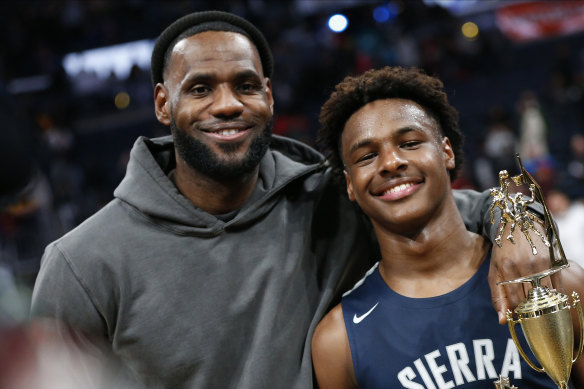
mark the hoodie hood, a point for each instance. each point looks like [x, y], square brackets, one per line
[147, 187]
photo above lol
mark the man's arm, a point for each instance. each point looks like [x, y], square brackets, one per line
[331, 354]
[509, 262]
[64, 312]
[61, 295]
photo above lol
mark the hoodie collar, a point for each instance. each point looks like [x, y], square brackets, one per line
[148, 189]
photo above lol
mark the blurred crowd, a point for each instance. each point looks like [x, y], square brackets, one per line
[66, 139]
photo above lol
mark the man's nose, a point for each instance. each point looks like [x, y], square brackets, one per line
[226, 102]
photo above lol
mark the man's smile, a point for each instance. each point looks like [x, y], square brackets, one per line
[226, 131]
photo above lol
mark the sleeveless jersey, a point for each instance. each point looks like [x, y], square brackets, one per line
[449, 341]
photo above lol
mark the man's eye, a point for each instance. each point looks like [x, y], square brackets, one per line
[199, 89]
[249, 87]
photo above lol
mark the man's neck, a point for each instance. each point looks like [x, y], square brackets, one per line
[213, 196]
[439, 258]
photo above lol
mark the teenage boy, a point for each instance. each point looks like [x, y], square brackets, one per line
[422, 316]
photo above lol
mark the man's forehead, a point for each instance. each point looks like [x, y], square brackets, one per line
[219, 40]
[217, 46]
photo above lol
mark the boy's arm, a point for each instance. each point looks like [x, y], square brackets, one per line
[578, 373]
[331, 354]
[573, 281]
[508, 262]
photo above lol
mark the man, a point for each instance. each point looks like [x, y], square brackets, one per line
[224, 245]
[422, 316]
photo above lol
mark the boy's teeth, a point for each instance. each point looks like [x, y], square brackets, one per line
[398, 188]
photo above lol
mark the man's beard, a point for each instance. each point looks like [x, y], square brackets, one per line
[202, 159]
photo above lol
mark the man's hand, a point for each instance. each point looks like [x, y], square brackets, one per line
[513, 261]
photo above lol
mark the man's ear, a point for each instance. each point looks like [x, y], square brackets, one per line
[269, 94]
[350, 192]
[162, 104]
[449, 159]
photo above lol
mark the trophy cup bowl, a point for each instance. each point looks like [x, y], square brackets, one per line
[546, 321]
[545, 315]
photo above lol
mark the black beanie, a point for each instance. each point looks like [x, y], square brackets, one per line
[208, 17]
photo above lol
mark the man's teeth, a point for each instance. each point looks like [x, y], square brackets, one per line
[398, 188]
[227, 132]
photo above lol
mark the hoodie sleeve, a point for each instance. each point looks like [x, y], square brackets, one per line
[61, 295]
[474, 209]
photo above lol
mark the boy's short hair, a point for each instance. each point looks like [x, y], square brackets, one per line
[377, 84]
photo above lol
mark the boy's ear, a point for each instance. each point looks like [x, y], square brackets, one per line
[449, 159]
[350, 192]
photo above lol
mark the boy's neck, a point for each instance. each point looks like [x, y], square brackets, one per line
[442, 256]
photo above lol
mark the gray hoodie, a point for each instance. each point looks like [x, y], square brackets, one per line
[189, 301]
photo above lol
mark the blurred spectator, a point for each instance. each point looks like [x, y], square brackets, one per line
[26, 202]
[18, 160]
[500, 141]
[566, 203]
[27, 225]
[576, 162]
[533, 145]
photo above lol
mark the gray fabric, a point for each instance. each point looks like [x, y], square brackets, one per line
[189, 301]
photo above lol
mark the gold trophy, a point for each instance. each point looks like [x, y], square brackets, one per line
[545, 315]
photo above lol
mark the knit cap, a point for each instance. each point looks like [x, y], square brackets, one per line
[208, 21]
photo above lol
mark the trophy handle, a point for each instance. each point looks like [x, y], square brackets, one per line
[511, 323]
[576, 304]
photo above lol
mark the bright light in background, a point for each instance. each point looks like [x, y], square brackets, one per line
[381, 14]
[470, 30]
[122, 100]
[385, 13]
[338, 23]
[104, 61]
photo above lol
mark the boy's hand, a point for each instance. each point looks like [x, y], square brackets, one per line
[513, 261]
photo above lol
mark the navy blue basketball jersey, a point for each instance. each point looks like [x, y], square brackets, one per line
[449, 341]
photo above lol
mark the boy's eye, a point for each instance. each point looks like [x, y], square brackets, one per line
[411, 144]
[366, 157]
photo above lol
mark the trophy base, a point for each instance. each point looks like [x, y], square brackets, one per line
[535, 278]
